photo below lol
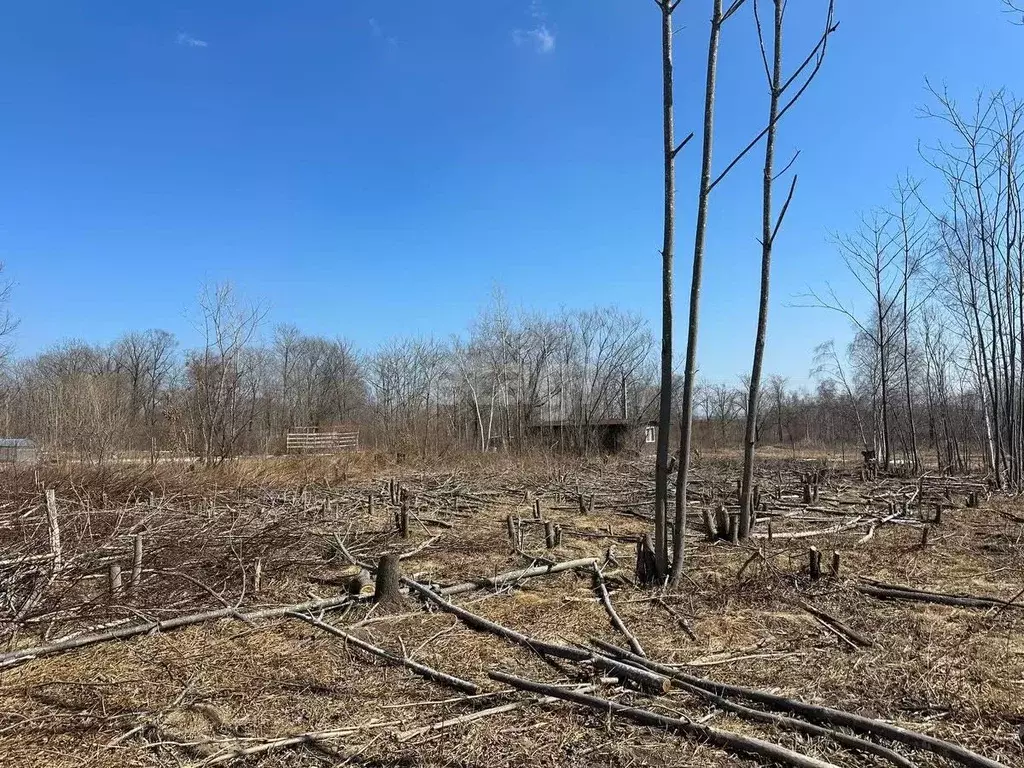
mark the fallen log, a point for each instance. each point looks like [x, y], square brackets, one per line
[782, 721]
[134, 630]
[237, 750]
[851, 634]
[514, 576]
[422, 670]
[733, 742]
[809, 534]
[617, 622]
[640, 677]
[897, 592]
[478, 715]
[420, 548]
[813, 712]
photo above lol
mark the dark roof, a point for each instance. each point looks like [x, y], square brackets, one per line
[16, 442]
[595, 423]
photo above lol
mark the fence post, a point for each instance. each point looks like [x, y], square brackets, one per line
[54, 525]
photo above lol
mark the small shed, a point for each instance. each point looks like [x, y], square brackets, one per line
[606, 435]
[18, 451]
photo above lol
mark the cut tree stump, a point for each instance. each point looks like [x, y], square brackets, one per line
[387, 593]
[814, 563]
[709, 524]
[646, 564]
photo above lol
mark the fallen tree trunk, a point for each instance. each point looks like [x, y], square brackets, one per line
[134, 630]
[813, 712]
[733, 742]
[513, 576]
[479, 714]
[782, 721]
[836, 625]
[422, 670]
[614, 616]
[809, 534]
[897, 592]
[640, 677]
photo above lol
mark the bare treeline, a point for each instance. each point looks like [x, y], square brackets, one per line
[239, 391]
[937, 359]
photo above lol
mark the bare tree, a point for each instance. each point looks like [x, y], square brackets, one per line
[8, 323]
[872, 256]
[670, 151]
[718, 18]
[222, 384]
[770, 225]
[807, 70]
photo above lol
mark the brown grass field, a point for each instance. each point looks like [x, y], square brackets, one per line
[202, 694]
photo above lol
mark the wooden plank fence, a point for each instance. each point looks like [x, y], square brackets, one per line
[303, 441]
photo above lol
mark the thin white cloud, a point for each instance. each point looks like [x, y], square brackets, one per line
[540, 37]
[378, 31]
[184, 38]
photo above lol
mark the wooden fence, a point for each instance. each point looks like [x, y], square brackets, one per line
[309, 441]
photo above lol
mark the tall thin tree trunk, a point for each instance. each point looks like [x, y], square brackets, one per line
[700, 234]
[767, 237]
[667, 253]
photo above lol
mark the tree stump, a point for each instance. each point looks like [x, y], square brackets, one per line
[402, 519]
[114, 582]
[807, 493]
[386, 591]
[814, 563]
[722, 521]
[709, 524]
[646, 563]
[549, 534]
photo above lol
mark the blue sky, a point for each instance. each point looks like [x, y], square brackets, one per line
[374, 169]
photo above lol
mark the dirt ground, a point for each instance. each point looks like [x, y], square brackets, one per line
[198, 695]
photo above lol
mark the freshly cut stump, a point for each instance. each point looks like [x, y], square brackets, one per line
[386, 592]
[646, 565]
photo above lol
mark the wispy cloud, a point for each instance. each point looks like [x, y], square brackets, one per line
[378, 31]
[539, 36]
[184, 38]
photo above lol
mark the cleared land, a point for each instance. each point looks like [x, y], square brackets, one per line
[292, 693]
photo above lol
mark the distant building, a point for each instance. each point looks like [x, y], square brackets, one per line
[18, 451]
[603, 435]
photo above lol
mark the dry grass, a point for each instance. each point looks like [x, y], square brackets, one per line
[952, 672]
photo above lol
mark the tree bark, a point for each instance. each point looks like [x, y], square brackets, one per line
[387, 593]
[661, 470]
[767, 241]
[700, 237]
